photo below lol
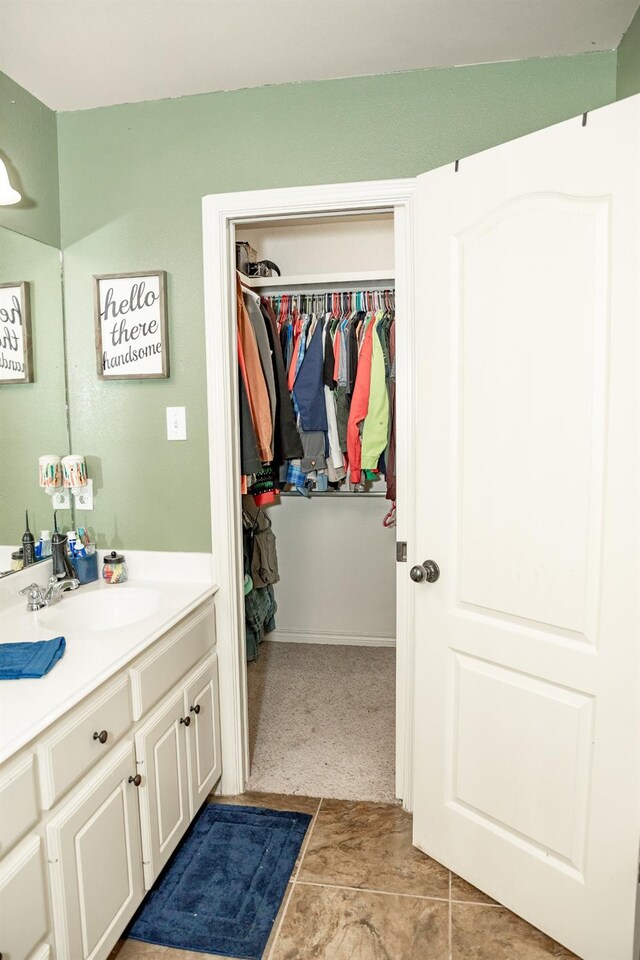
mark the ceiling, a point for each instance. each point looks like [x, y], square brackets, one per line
[74, 54]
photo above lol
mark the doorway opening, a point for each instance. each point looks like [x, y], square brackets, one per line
[321, 684]
[325, 707]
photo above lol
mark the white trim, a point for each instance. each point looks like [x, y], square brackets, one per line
[341, 639]
[220, 213]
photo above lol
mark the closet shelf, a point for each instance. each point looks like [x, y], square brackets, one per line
[362, 278]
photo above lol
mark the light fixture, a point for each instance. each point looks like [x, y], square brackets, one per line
[7, 194]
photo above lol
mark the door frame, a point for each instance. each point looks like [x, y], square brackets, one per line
[220, 213]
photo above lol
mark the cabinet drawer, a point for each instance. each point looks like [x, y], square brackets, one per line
[23, 900]
[163, 667]
[18, 800]
[74, 744]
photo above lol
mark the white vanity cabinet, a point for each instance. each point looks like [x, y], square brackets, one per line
[178, 754]
[204, 754]
[161, 752]
[93, 807]
[24, 911]
[95, 855]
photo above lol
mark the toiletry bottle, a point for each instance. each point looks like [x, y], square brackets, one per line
[62, 568]
[72, 537]
[45, 544]
[28, 544]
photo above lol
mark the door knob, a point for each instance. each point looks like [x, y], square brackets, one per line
[195, 709]
[185, 720]
[136, 781]
[102, 736]
[429, 571]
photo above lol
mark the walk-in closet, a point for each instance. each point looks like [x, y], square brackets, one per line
[320, 605]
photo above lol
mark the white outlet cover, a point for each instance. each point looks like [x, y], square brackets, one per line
[61, 500]
[176, 423]
[84, 500]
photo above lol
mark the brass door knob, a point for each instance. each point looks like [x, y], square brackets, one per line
[136, 781]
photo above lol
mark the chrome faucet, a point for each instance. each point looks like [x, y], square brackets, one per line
[38, 597]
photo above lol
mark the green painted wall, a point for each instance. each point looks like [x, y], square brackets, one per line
[33, 418]
[29, 147]
[629, 60]
[131, 182]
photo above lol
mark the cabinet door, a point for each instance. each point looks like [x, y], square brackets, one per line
[96, 860]
[203, 735]
[164, 794]
[23, 900]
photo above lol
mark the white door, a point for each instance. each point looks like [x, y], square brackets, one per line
[95, 857]
[527, 734]
[161, 752]
[203, 735]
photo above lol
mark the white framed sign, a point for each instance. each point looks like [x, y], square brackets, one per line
[131, 325]
[16, 359]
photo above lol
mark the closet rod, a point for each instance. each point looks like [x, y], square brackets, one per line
[331, 493]
[316, 290]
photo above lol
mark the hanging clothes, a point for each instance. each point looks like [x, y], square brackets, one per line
[359, 405]
[322, 365]
[256, 386]
[261, 572]
[375, 430]
[287, 440]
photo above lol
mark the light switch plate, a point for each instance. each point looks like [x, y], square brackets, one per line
[84, 500]
[176, 423]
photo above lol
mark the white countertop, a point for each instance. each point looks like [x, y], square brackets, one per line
[91, 656]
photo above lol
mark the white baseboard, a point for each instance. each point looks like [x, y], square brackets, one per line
[346, 639]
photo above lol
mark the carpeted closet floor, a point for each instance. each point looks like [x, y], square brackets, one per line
[322, 721]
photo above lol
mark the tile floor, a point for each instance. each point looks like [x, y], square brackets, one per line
[361, 891]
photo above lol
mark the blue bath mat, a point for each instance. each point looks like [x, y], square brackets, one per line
[221, 890]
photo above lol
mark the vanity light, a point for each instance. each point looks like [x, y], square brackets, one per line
[7, 194]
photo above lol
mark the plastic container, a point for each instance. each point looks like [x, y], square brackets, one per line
[86, 568]
[17, 561]
[114, 568]
[45, 544]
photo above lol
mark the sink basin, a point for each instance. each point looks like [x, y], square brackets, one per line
[100, 610]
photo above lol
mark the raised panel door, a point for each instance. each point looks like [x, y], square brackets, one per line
[95, 857]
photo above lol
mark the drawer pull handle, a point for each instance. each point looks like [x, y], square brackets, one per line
[102, 736]
[136, 781]
[195, 709]
[185, 720]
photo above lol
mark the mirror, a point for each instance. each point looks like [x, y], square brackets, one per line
[33, 415]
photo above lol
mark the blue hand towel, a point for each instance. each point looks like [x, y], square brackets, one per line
[26, 661]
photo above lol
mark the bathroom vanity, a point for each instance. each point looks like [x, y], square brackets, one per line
[104, 762]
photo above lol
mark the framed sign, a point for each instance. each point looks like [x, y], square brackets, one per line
[16, 361]
[131, 325]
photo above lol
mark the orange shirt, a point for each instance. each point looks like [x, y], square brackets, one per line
[257, 393]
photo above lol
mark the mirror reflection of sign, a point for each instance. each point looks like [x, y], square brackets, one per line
[132, 326]
[14, 333]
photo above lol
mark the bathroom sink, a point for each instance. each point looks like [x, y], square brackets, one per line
[100, 610]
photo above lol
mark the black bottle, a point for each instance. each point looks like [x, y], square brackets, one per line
[62, 568]
[28, 545]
